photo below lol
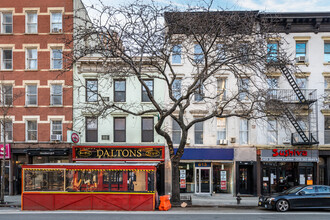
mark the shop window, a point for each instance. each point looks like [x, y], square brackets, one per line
[44, 180]
[6, 59]
[6, 22]
[243, 89]
[176, 54]
[91, 90]
[244, 131]
[222, 177]
[56, 24]
[176, 88]
[150, 84]
[199, 133]
[6, 94]
[221, 88]
[31, 95]
[120, 91]
[56, 94]
[327, 52]
[221, 130]
[272, 131]
[56, 58]
[31, 55]
[31, 130]
[198, 54]
[91, 129]
[119, 130]
[176, 132]
[8, 126]
[326, 129]
[199, 92]
[31, 22]
[147, 129]
[187, 178]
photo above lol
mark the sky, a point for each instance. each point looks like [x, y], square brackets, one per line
[261, 5]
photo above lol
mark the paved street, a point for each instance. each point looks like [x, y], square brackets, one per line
[175, 213]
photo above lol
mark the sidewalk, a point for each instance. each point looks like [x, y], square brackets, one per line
[215, 200]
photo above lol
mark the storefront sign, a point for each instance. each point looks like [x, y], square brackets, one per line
[223, 180]
[7, 151]
[183, 179]
[291, 155]
[202, 164]
[117, 153]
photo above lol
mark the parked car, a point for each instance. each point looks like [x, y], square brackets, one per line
[298, 197]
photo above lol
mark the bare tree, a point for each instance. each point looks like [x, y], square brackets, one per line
[6, 110]
[140, 41]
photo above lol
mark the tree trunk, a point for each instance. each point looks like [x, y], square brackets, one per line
[175, 182]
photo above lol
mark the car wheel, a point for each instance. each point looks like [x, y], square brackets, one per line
[282, 205]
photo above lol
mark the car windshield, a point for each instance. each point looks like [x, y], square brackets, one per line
[293, 190]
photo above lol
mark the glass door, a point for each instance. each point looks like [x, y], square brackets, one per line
[203, 180]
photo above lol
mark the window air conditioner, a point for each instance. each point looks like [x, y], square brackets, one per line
[55, 30]
[286, 141]
[232, 140]
[55, 137]
[222, 142]
[301, 59]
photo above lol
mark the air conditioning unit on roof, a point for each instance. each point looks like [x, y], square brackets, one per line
[56, 137]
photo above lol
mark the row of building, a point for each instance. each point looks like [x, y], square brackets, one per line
[45, 109]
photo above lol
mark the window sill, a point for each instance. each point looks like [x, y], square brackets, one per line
[55, 106]
[55, 70]
[31, 33]
[301, 64]
[6, 33]
[177, 64]
[327, 64]
[118, 102]
[30, 70]
[146, 102]
[32, 141]
[31, 106]
[5, 70]
[198, 102]
[56, 33]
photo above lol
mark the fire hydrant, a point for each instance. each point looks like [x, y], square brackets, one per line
[238, 198]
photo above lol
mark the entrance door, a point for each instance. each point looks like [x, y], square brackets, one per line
[203, 180]
[245, 179]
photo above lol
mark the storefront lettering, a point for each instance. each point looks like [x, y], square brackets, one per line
[118, 153]
[289, 153]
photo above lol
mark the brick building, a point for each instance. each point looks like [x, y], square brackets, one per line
[36, 91]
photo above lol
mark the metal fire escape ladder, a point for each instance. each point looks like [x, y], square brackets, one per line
[296, 125]
[293, 84]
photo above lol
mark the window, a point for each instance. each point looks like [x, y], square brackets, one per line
[31, 130]
[91, 90]
[9, 130]
[176, 88]
[150, 85]
[176, 132]
[57, 59]
[199, 92]
[300, 49]
[327, 52]
[244, 53]
[7, 94]
[56, 95]
[273, 86]
[199, 133]
[221, 88]
[119, 129]
[272, 52]
[243, 89]
[198, 54]
[221, 53]
[147, 129]
[244, 131]
[31, 94]
[272, 131]
[32, 22]
[6, 23]
[309, 190]
[56, 129]
[56, 18]
[120, 91]
[7, 59]
[326, 129]
[176, 54]
[31, 59]
[91, 129]
[221, 129]
[327, 89]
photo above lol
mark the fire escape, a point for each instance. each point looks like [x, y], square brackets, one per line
[297, 101]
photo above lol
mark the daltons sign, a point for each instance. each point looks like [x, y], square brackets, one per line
[290, 155]
[118, 153]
